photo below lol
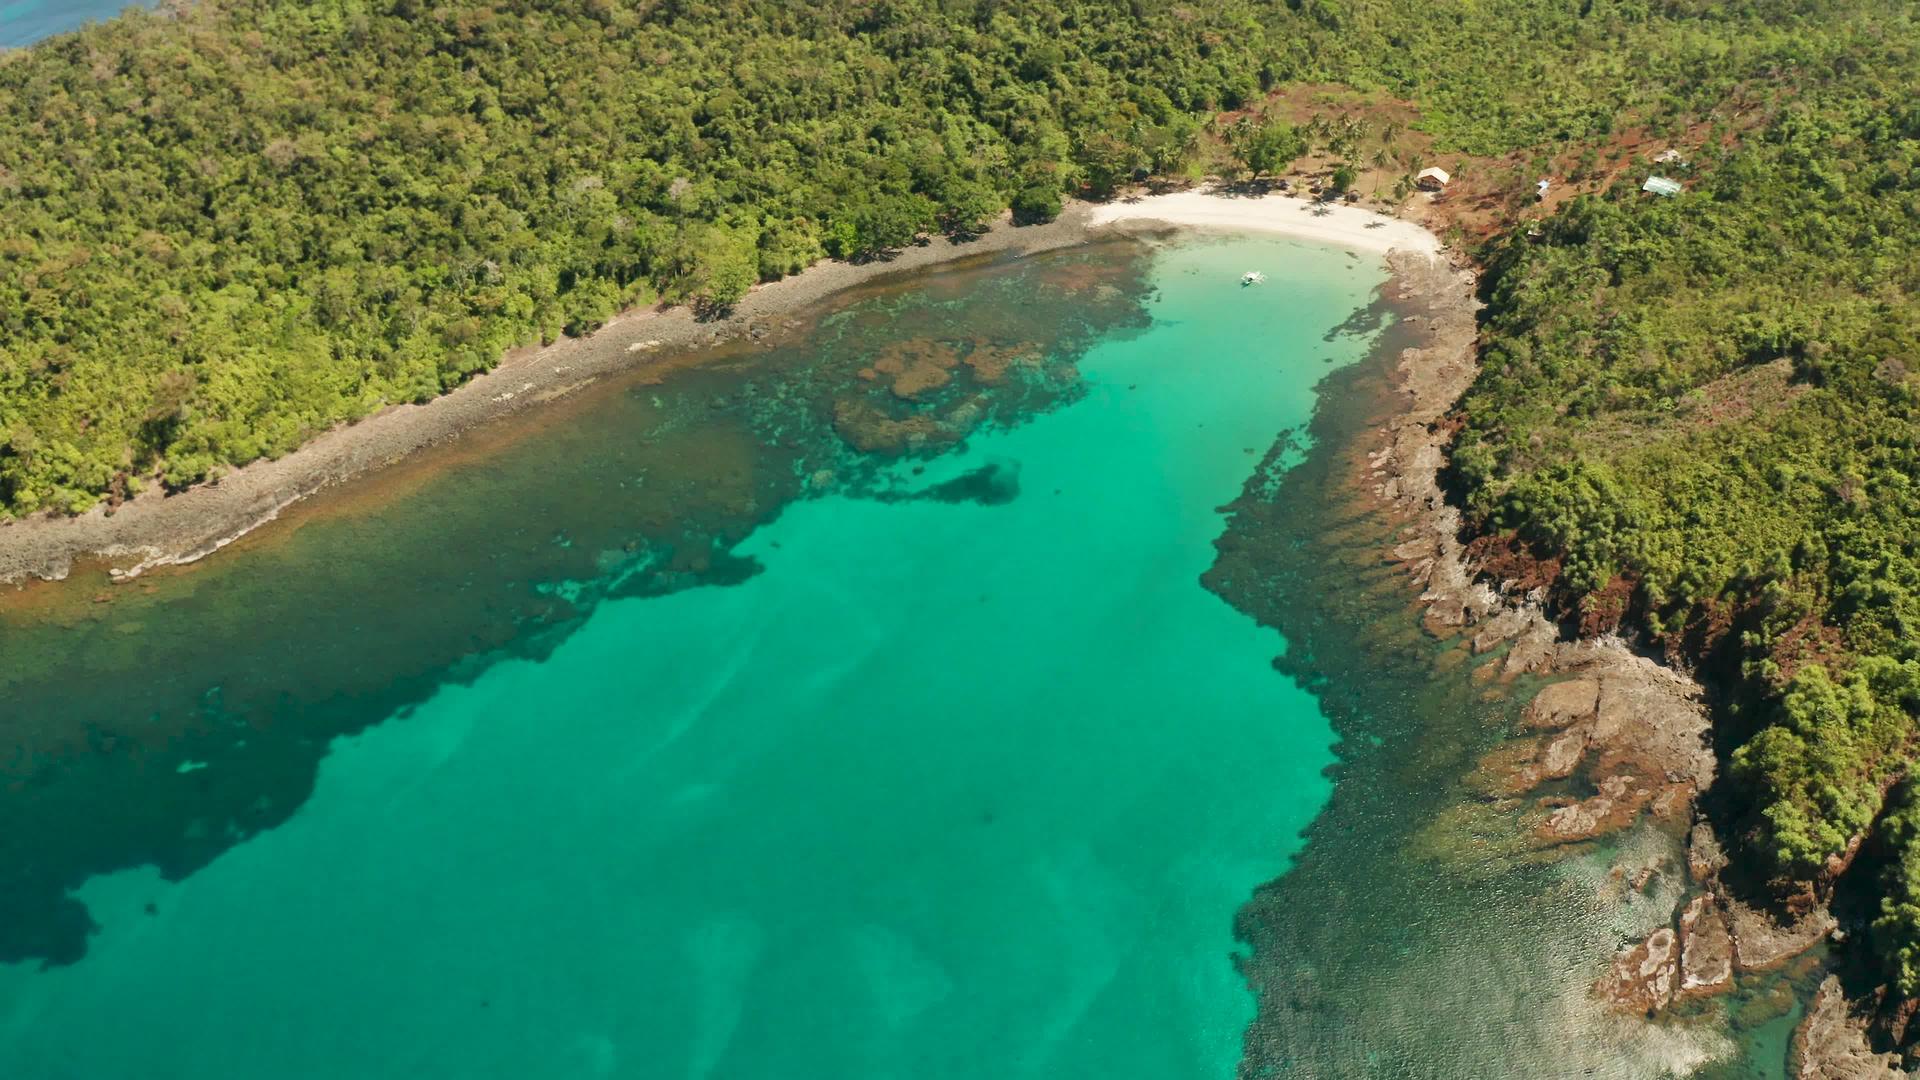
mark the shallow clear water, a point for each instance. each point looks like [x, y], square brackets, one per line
[958, 772]
[23, 22]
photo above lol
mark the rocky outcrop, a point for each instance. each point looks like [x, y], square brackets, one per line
[1705, 859]
[1635, 731]
[1692, 960]
[1639, 735]
[1650, 720]
[1643, 976]
[1561, 755]
[1831, 1043]
[1563, 704]
[1762, 942]
[1706, 949]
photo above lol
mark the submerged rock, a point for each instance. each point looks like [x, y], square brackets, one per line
[1618, 803]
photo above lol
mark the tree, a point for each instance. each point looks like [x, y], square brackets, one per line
[967, 207]
[1037, 201]
[725, 264]
[405, 196]
[875, 224]
[1267, 146]
[1107, 161]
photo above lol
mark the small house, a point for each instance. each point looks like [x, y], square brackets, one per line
[1660, 185]
[1540, 189]
[1433, 179]
[1668, 157]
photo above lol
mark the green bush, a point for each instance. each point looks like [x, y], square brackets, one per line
[1037, 202]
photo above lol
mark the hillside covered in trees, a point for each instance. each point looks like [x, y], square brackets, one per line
[222, 232]
[1699, 414]
[225, 231]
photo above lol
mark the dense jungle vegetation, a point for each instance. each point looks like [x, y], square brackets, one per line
[1703, 409]
[224, 231]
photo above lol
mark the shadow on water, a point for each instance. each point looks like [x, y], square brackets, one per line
[166, 721]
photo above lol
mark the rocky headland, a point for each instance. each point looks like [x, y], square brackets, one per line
[1614, 739]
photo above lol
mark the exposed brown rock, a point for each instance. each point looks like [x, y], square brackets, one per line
[1895, 1020]
[1651, 716]
[1831, 1043]
[1761, 942]
[1705, 860]
[1505, 556]
[1672, 803]
[1643, 877]
[1533, 653]
[1562, 754]
[1419, 549]
[1643, 976]
[1498, 630]
[1837, 865]
[1563, 703]
[1706, 950]
[1444, 615]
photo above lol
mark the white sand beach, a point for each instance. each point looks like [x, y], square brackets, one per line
[1326, 223]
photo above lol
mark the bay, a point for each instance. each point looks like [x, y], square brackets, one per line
[825, 745]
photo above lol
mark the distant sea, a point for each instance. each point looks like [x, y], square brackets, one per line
[23, 22]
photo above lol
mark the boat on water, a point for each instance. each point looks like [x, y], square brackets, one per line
[1252, 277]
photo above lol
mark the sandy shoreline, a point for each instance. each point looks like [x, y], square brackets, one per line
[156, 529]
[1322, 223]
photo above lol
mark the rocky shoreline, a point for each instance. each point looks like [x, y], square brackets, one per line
[1615, 739]
[156, 529]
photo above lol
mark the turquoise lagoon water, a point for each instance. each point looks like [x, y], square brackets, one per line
[940, 787]
[23, 22]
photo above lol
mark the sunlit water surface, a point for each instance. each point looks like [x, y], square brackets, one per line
[958, 771]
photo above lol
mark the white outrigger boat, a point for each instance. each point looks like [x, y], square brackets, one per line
[1252, 277]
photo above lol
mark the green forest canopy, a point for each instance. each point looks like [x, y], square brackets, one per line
[224, 232]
